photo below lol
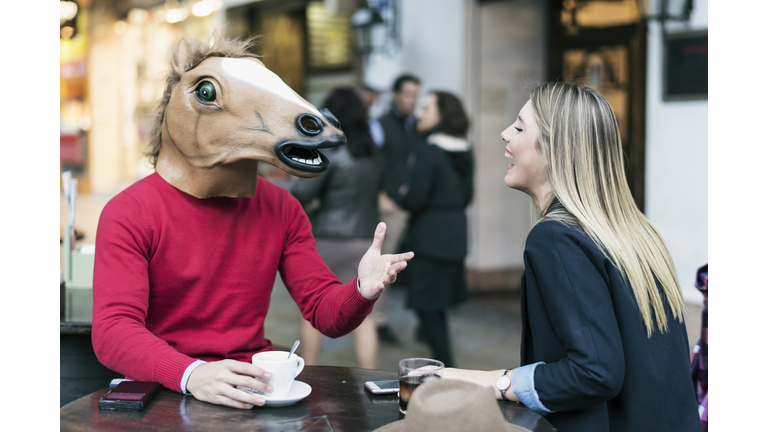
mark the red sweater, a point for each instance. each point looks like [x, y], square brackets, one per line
[178, 278]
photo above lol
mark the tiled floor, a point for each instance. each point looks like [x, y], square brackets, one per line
[485, 331]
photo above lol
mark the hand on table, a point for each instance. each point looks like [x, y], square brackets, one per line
[376, 271]
[215, 382]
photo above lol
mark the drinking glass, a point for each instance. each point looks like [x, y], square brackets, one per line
[412, 373]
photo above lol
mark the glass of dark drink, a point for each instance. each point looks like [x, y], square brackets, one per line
[413, 372]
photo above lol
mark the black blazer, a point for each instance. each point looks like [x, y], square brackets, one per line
[601, 372]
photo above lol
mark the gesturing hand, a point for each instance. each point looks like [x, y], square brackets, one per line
[376, 271]
[216, 382]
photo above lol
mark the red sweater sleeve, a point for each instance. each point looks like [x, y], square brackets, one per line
[121, 339]
[332, 308]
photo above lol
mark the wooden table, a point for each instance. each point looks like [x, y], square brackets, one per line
[338, 402]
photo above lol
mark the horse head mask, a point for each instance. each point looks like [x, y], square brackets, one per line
[223, 111]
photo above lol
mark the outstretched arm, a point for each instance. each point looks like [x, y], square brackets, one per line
[331, 307]
[376, 271]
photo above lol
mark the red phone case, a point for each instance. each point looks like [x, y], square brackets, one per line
[130, 395]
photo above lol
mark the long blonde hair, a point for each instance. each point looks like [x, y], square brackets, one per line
[579, 139]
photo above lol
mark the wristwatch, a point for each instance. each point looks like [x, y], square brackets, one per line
[503, 384]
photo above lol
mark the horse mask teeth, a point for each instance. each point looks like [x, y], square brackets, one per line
[226, 112]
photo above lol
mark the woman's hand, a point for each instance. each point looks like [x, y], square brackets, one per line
[216, 382]
[376, 271]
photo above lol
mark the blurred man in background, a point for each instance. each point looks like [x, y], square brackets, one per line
[368, 97]
[400, 139]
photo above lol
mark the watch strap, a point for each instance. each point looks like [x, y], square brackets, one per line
[504, 391]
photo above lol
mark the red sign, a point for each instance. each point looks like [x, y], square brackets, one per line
[70, 151]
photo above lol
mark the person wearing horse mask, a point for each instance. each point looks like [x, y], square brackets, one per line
[186, 258]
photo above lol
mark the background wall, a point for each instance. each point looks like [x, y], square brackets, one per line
[432, 48]
[508, 46]
[676, 164]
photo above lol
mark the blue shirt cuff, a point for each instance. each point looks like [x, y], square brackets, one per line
[358, 287]
[523, 386]
[187, 373]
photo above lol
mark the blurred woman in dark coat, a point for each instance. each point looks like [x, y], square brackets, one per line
[437, 190]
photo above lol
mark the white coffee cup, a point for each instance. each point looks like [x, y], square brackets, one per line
[283, 369]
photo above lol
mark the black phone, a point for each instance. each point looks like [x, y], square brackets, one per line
[130, 395]
[383, 387]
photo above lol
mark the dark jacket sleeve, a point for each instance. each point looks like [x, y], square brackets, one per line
[578, 306]
[468, 186]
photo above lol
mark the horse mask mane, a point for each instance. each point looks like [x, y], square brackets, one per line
[223, 112]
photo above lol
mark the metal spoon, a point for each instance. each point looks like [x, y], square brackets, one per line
[293, 348]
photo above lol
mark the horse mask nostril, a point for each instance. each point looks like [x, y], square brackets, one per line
[330, 117]
[309, 125]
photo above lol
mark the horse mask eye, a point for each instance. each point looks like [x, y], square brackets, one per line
[206, 92]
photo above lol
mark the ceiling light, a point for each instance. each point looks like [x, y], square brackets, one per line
[67, 10]
[174, 15]
[202, 8]
[137, 16]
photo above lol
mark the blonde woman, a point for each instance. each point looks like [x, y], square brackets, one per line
[604, 346]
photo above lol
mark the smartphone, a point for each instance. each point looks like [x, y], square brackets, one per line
[129, 395]
[383, 387]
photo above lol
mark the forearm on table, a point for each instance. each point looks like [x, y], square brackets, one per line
[134, 351]
[483, 378]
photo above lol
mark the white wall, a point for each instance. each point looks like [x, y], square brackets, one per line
[676, 165]
[508, 54]
[432, 48]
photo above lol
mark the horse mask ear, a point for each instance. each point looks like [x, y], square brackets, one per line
[181, 57]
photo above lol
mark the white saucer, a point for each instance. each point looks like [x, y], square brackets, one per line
[299, 390]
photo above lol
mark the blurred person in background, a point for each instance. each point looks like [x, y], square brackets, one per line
[368, 97]
[437, 190]
[400, 139]
[347, 213]
[604, 345]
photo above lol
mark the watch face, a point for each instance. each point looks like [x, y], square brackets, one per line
[503, 383]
